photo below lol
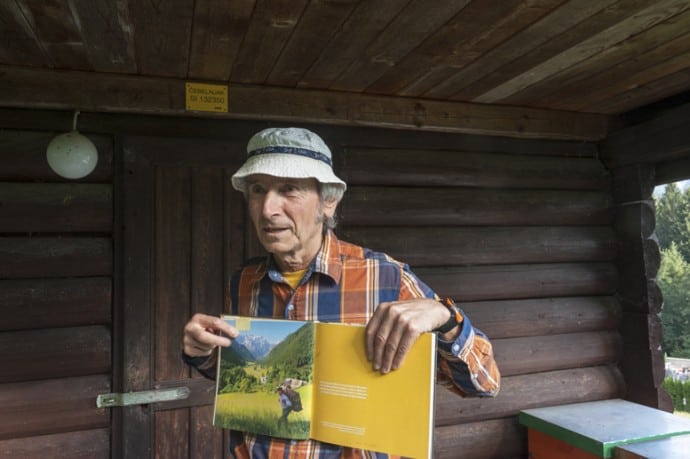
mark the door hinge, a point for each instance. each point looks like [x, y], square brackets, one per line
[141, 398]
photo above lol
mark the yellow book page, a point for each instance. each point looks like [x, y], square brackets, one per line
[353, 405]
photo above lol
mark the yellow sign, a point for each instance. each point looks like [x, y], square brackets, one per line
[206, 97]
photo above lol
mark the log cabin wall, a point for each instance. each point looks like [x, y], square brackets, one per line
[519, 232]
[56, 265]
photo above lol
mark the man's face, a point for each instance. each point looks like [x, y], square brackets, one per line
[288, 217]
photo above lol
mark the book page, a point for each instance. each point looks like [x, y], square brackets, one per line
[359, 407]
[264, 382]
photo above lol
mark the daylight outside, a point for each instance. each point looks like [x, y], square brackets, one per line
[673, 232]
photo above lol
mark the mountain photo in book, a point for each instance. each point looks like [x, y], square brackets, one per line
[299, 380]
[266, 356]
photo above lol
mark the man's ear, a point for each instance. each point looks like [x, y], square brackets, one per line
[329, 207]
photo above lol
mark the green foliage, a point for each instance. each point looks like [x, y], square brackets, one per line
[679, 392]
[673, 233]
[293, 358]
[674, 281]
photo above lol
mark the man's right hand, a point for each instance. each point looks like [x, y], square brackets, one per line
[202, 335]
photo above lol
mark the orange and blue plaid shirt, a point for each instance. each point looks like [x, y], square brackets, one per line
[345, 283]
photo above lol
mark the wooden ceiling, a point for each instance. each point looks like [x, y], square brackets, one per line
[587, 56]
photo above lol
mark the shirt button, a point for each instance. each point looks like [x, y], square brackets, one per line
[290, 307]
[456, 348]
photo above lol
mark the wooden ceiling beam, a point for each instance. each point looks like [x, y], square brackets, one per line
[39, 88]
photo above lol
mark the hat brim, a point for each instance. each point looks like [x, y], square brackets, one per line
[284, 165]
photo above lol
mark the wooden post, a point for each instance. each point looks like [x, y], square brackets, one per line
[640, 298]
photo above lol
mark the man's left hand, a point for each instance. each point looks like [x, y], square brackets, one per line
[395, 326]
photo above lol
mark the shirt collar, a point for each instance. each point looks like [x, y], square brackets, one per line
[327, 260]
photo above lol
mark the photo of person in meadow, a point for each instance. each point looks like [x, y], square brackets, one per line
[285, 406]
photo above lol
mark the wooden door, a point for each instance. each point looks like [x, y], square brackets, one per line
[183, 233]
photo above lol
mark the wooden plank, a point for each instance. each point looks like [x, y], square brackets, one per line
[463, 168]
[471, 32]
[204, 438]
[641, 95]
[270, 28]
[52, 406]
[58, 33]
[27, 257]
[543, 316]
[172, 276]
[170, 432]
[163, 96]
[216, 37]
[16, 29]
[84, 444]
[318, 23]
[461, 68]
[370, 206]
[521, 281]
[414, 24]
[159, 52]
[55, 353]
[132, 427]
[564, 27]
[419, 246]
[351, 41]
[479, 440]
[202, 392]
[533, 354]
[549, 90]
[106, 35]
[620, 78]
[672, 171]
[628, 27]
[531, 391]
[56, 208]
[48, 303]
[24, 154]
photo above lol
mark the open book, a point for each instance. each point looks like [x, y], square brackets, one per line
[328, 388]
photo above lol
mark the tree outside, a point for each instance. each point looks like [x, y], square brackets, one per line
[673, 233]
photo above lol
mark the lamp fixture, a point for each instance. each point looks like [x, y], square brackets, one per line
[72, 155]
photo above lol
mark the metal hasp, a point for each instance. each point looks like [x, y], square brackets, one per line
[141, 398]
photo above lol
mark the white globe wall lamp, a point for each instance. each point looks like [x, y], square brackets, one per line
[72, 155]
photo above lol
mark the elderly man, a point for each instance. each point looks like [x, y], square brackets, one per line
[292, 196]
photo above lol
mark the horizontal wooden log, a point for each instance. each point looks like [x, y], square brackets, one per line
[531, 391]
[487, 245]
[93, 92]
[534, 354]
[543, 316]
[52, 303]
[52, 406]
[639, 260]
[363, 166]
[24, 154]
[672, 171]
[402, 206]
[27, 257]
[55, 207]
[84, 444]
[495, 439]
[499, 282]
[663, 138]
[54, 353]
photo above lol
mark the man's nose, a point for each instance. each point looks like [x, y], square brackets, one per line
[271, 204]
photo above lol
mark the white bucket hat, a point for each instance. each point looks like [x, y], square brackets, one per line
[288, 153]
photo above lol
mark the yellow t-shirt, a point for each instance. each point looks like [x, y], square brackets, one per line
[293, 278]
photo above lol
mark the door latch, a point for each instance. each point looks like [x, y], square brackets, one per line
[141, 398]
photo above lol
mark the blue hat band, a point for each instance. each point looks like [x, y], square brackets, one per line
[293, 151]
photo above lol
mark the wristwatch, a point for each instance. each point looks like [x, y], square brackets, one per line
[455, 317]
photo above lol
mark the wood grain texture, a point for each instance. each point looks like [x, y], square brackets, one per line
[83, 444]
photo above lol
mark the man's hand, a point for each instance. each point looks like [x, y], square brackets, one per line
[395, 326]
[201, 335]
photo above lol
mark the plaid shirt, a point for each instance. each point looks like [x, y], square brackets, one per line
[345, 283]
